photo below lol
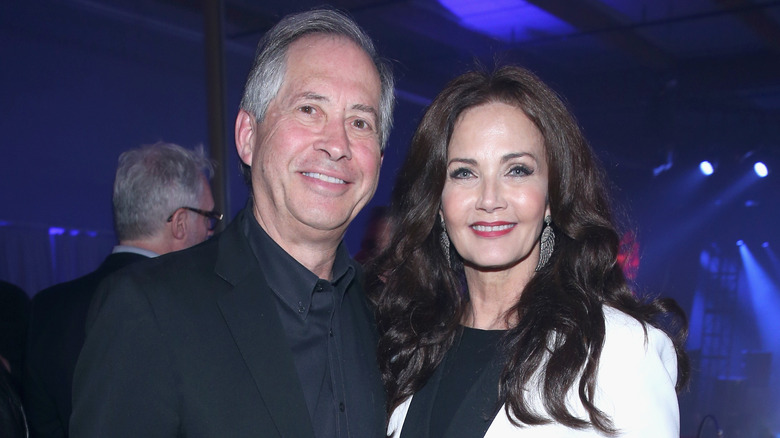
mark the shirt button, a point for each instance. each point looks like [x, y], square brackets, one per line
[341, 407]
[301, 309]
[318, 288]
[330, 332]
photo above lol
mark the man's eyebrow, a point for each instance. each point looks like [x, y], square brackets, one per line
[313, 96]
[366, 109]
[310, 95]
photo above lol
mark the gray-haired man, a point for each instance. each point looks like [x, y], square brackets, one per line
[162, 203]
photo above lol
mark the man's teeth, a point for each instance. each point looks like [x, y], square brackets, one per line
[485, 228]
[325, 178]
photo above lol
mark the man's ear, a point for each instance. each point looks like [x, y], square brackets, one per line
[246, 126]
[179, 224]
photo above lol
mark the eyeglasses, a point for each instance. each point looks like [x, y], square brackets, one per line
[213, 216]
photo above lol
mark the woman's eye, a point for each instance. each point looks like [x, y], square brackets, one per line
[520, 171]
[461, 173]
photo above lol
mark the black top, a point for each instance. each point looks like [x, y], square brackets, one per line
[464, 364]
[461, 397]
[312, 312]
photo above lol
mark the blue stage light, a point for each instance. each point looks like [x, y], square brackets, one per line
[740, 242]
[765, 245]
[706, 168]
[760, 169]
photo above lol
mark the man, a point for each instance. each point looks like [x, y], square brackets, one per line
[162, 203]
[265, 330]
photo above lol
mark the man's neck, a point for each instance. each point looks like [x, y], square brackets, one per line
[314, 249]
[318, 259]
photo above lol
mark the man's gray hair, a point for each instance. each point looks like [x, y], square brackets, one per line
[267, 74]
[151, 182]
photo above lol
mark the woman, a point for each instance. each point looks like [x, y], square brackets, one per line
[501, 306]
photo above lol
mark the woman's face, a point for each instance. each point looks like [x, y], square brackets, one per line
[495, 193]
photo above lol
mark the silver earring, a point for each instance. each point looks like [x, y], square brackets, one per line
[445, 241]
[547, 243]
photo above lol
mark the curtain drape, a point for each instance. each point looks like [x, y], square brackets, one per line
[36, 256]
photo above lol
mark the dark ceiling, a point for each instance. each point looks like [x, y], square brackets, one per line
[702, 60]
[656, 84]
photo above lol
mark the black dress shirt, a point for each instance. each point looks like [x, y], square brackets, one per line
[319, 327]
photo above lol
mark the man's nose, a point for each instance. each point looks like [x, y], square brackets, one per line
[335, 141]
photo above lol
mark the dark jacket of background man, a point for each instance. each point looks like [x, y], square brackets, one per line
[151, 184]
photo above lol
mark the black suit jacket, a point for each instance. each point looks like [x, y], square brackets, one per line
[56, 334]
[192, 345]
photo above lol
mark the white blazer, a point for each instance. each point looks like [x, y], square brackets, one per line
[634, 386]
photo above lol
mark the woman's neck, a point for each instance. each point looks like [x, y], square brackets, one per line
[492, 294]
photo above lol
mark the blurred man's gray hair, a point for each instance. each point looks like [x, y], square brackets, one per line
[151, 182]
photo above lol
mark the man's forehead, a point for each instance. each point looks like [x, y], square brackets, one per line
[316, 53]
[317, 71]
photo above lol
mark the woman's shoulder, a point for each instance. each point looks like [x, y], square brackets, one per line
[621, 324]
[626, 338]
[617, 318]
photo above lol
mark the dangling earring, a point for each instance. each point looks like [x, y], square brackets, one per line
[445, 241]
[547, 243]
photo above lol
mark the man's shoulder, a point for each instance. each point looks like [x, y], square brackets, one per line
[180, 272]
[187, 262]
[176, 286]
[82, 288]
[58, 295]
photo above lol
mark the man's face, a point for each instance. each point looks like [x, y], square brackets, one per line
[315, 157]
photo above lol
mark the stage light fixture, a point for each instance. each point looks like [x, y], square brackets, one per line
[706, 168]
[740, 242]
[765, 245]
[760, 169]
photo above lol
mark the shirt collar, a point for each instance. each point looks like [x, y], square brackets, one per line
[292, 282]
[134, 249]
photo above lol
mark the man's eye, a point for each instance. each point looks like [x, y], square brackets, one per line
[307, 109]
[361, 124]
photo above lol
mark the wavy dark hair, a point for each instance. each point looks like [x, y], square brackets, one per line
[420, 298]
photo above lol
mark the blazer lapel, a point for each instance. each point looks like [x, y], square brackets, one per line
[421, 408]
[252, 318]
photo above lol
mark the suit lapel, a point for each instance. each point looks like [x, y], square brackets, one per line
[252, 318]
